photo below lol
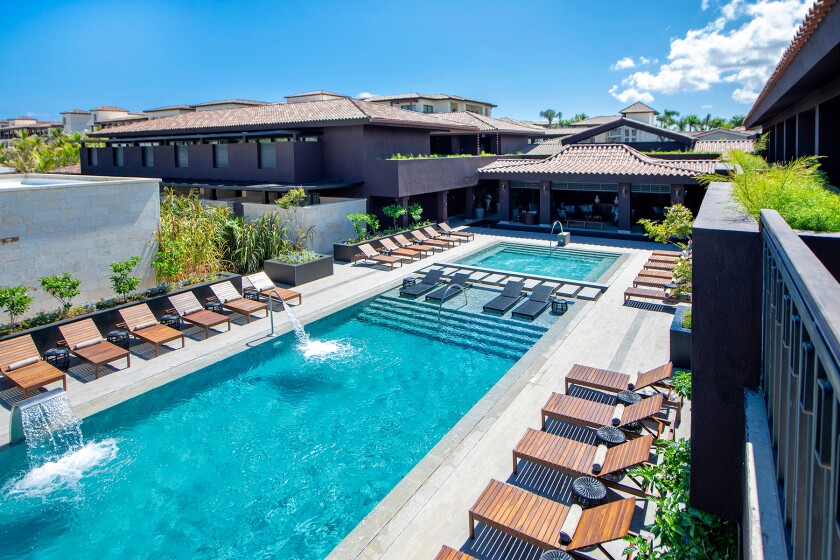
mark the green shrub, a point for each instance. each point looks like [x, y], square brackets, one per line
[416, 212]
[15, 301]
[686, 322]
[365, 226]
[797, 190]
[395, 212]
[63, 288]
[122, 281]
[681, 381]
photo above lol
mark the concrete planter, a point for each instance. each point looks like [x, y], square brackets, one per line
[344, 252]
[47, 336]
[297, 274]
[680, 339]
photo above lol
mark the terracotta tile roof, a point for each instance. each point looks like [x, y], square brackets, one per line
[529, 124]
[487, 124]
[237, 101]
[808, 27]
[435, 96]
[547, 147]
[75, 112]
[639, 107]
[724, 146]
[171, 107]
[333, 110]
[22, 119]
[109, 108]
[316, 92]
[601, 159]
[596, 121]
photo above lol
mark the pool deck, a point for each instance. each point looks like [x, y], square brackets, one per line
[429, 507]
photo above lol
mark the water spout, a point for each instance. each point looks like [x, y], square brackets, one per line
[318, 350]
[47, 423]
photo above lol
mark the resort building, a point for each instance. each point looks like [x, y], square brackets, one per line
[433, 103]
[12, 127]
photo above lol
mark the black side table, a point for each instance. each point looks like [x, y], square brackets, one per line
[118, 337]
[214, 306]
[559, 305]
[610, 436]
[555, 555]
[58, 358]
[588, 492]
[251, 293]
[628, 397]
[409, 282]
[172, 320]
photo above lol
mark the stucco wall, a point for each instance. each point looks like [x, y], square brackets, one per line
[77, 226]
[329, 218]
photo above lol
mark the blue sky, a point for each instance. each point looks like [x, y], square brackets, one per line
[695, 56]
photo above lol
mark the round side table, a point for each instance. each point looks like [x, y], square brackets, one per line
[610, 436]
[588, 492]
[118, 337]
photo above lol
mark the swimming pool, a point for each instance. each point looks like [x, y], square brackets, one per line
[569, 264]
[265, 454]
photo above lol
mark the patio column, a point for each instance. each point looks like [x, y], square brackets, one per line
[545, 202]
[469, 207]
[404, 218]
[677, 194]
[442, 214]
[504, 200]
[624, 209]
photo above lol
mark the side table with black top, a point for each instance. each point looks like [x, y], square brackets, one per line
[171, 320]
[559, 305]
[119, 337]
[214, 306]
[588, 492]
[251, 293]
[58, 358]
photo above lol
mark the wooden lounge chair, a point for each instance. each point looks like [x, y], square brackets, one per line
[656, 265]
[432, 233]
[85, 342]
[659, 253]
[141, 323]
[260, 281]
[401, 240]
[449, 231]
[190, 310]
[368, 253]
[614, 381]
[420, 238]
[540, 521]
[391, 248]
[593, 414]
[447, 553]
[664, 259]
[443, 293]
[508, 298]
[656, 273]
[21, 363]
[539, 299]
[651, 282]
[664, 296]
[429, 281]
[232, 300]
[576, 458]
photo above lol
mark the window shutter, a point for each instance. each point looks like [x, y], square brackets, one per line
[221, 154]
[268, 155]
[183, 156]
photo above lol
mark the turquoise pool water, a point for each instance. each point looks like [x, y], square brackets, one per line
[262, 455]
[571, 264]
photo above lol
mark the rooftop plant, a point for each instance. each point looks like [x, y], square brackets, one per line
[297, 235]
[122, 281]
[798, 190]
[15, 301]
[395, 212]
[62, 287]
[676, 230]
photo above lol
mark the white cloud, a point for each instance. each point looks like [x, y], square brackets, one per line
[366, 94]
[623, 64]
[742, 47]
[707, 107]
[704, 5]
[631, 95]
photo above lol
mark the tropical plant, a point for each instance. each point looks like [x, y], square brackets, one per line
[678, 530]
[15, 301]
[668, 118]
[29, 153]
[737, 120]
[365, 225]
[681, 379]
[169, 260]
[248, 244]
[122, 281]
[675, 229]
[63, 288]
[415, 211]
[550, 115]
[395, 212]
[298, 236]
[579, 117]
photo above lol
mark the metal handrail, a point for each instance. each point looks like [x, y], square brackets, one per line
[551, 235]
[446, 291]
[271, 308]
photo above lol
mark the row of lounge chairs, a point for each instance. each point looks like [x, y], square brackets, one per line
[655, 279]
[398, 249]
[551, 525]
[23, 365]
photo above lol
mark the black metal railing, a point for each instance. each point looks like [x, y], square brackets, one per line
[801, 386]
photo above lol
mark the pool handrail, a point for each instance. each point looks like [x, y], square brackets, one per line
[271, 308]
[443, 298]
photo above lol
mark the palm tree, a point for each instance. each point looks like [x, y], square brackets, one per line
[682, 124]
[580, 117]
[718, 122]
[737, 120]
[707, 120]
[693, 122]
[550, 115]
[668, 118]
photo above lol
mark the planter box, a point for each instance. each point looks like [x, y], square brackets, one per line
[680, 339]
[344, 252]
[297, 274]
[47, 336]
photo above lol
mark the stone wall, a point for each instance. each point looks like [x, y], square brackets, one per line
[329, 219]
[52, 224]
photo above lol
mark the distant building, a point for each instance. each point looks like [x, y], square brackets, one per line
[15, 125]
[433, 103]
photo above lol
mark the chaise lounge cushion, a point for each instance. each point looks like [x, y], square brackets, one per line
[87, 343]
[23, 363]
[144, 325]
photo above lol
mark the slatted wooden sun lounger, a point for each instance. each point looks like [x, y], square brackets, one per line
[190, 310]
[21, 363]
[418, 235]
[429, 281]
[85, 342]
[655, 265]
[650, 282]
[391, 248]
[449, 231]
[507, 299]
[406, 244]
[656, 273]
[260, 281]
[230, 299]
[432, 233]
[447, 553]
[659, 253]
[141, 323]
[614, 381]
[368, 253]
[540, 521]
[663, 259]
[576, 458]
[650, 293]
[592, 414]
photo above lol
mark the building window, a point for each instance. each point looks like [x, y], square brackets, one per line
[428, 109]
[268, 155]
[411, 107]
[119, 157]
[182, 157]
[148, 153]
[220, 155]
[93, 156]
[453, 107]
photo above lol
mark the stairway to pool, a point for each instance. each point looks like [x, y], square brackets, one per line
[503, 337]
